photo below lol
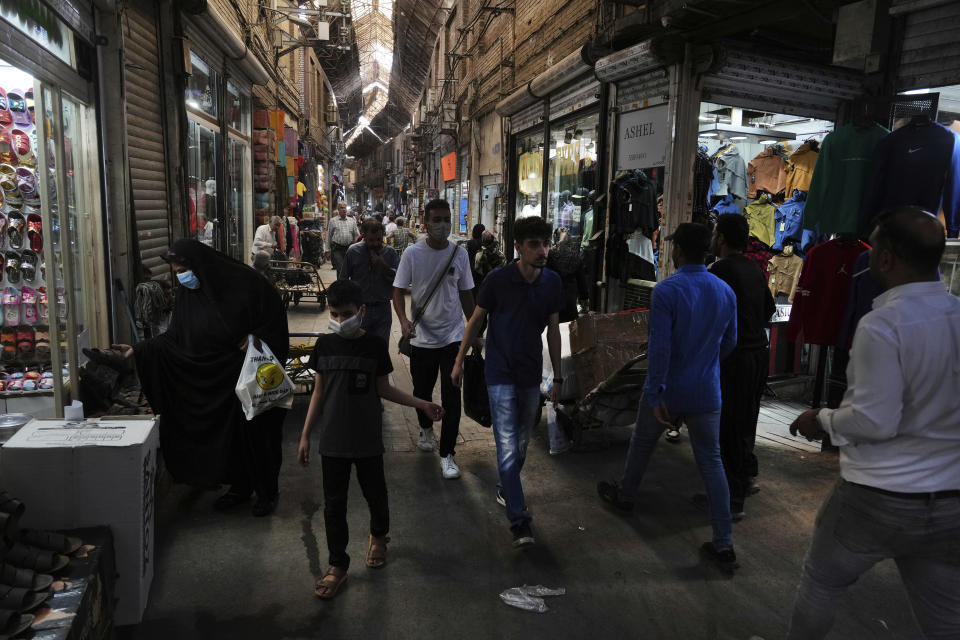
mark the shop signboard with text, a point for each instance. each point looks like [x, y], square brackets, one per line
[642, 139]
[448, 166]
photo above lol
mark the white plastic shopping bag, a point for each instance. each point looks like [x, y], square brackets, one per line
[263, 383]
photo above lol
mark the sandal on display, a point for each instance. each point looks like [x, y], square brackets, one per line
[43, 346]
[17, 105]
[27, 182]
[377, 551]
[13, 623]
[328, 586]
[50, 540]
[25, 345]
[35, 232]
[20, 599]
[11, 306]
[15, 225]
[11, 267]
[20, 141]
[3, 230]
[40, 560]
[28, 265]
[42, 303]
[13, 385]
[8, 341]
[7, 156]
[8, 177]
[32, 373]
[6, 118]
[24, 578]
[28, 296]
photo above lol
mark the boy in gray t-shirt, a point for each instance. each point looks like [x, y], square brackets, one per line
[351, 368]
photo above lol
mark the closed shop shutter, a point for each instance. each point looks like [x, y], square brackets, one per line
[750, 80]
[930, 56]
[145, 143]
[633, 92]
[579, 94]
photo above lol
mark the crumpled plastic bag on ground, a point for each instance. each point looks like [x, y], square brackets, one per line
[529, 598]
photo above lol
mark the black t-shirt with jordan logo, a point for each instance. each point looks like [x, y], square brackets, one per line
[350, 424]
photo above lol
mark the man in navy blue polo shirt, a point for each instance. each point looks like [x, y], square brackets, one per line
[693, 326]
[521, 298]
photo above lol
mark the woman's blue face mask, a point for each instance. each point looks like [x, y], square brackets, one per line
[189, 279]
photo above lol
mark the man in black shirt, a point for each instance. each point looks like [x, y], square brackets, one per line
[744, 372]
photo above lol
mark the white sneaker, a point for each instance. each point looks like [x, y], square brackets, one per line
[563, 448]
[449, 467]
[426, 443]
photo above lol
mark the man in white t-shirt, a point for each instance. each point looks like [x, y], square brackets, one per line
[435, 339]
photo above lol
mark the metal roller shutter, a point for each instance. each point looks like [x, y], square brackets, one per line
[758, 82]
[145, 144]
[632, 92]
[931, 47]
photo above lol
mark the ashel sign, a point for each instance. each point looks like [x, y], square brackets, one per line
[642, 139]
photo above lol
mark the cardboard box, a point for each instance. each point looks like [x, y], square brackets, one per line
[91, 473]
[586, 332]
[598, 363]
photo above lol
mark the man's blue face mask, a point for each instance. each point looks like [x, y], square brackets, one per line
[189, 279]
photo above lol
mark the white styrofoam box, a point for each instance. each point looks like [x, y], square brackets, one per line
[91, 473]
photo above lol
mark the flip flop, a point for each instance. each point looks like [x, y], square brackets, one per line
[333, 578]
[13, 623]
[28, 265]
[27, 183]
[11, 267]
[29, 385]
[35, 231]
[15, 226]
[8, 341]
[6, 118]
[13, 385]
[29, 299]
[17, 104]
[11, 307]
[8, 178]
[32, 373]
[21, 144]
[7, 156]
[43, 348]
[42, 303]
[25, 347]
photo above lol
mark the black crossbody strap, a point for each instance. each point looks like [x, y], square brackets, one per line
[436, 285]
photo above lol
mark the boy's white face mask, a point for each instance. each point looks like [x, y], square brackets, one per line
[346, 329]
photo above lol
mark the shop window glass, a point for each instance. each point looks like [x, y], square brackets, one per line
[573, 172]
[238, 109]
[238, 202]
[203, 153]
[202, 88]
[529, 174]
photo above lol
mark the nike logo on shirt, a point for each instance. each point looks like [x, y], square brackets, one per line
[912, 150]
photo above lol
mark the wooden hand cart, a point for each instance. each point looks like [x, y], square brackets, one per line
[297, 281]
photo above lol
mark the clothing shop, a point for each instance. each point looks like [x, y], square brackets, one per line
[54, 291]
[219, 141]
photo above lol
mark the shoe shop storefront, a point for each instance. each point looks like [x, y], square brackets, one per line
[53, 291]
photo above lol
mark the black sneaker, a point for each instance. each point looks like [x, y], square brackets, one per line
[610, 493]
[522, 536]
[725, 559]
[264, 506]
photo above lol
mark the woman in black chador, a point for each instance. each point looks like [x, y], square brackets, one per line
[190, 372]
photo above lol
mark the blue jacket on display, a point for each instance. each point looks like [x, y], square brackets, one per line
[726, 205]
[789, 221]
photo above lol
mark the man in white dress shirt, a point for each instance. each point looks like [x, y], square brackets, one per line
[265, 237]
[898, 429]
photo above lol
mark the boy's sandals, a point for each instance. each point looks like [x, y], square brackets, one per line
[328, 586]
[377, 551]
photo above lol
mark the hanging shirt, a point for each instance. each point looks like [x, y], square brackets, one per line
[898, 425]
[863, 289]
[766, 172]
[529, 172]
[799, 171]
[788, 221]
[821, 295]
[918, 164]
[702, 176]
[725, 205]
[760, 216]
[731, 173]
[784, 273]
[839, 179]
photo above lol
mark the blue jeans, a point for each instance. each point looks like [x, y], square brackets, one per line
[704, 429]
[514, 411]
[377, 320]
[857, 528]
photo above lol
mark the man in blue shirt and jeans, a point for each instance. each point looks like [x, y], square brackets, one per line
[693, 325]
[522, 298]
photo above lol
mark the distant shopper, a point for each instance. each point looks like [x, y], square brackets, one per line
[301, 197]
[489, 257]
[342, 232]
[693, 325]
[265, 237]
[205, 230]
[373, 266]
[402, 236]
[743, 374]
[391, 225]
[474, 246]
[435, 340]
[898, 429]
[352, 368]
[521, 299]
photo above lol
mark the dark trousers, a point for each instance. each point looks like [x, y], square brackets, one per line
[742, 378]
[424, 366]
[258, 454]
[336, 482]
[337, 252]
